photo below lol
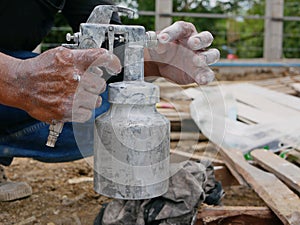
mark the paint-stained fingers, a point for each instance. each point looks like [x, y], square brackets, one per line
[201, 60]
[84, 100]
[204, 75]
[87, 97]
[96, 70]
[81, 115]
[200, 41]
[204, 58]
[97, 57]
[93, 82]
[90, 101]
[178, 31]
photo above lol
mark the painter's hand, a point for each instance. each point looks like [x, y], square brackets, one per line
[63, 84]
[181, 55]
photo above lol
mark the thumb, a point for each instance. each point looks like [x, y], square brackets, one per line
[84, 58]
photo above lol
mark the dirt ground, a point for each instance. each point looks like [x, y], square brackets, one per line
[56, 199]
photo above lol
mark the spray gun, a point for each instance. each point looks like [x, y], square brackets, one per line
[91, 37]
[131, 143]
[87, 38]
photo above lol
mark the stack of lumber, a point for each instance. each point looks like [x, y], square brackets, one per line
[274, 179]
[280, 84]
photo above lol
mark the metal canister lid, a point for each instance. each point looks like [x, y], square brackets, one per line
[133, 92]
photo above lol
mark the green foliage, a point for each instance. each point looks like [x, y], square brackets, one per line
[291, 34]
[141, 5]
[57, 35]
[250, 42]
[243, 37]
[220, 28]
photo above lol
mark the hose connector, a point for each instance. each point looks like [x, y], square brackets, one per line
[54, 131]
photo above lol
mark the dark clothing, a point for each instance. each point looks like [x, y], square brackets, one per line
[191, 184]
[24, 23]
[23, 136]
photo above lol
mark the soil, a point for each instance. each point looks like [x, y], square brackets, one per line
[56, 200]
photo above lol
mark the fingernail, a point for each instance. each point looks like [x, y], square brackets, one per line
[163, 38]
[196, 43]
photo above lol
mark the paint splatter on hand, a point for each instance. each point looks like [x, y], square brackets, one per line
[63, 84]
[181, 55]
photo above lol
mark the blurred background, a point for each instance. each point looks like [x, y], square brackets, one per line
[243, 29]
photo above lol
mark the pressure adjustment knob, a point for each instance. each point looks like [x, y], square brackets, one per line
[70, 37]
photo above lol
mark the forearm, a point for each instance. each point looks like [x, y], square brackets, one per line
[10, 83]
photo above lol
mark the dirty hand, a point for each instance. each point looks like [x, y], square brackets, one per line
[181, 55]
[63, 84]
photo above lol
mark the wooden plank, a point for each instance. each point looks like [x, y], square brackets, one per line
[228, 215]
[284, 203]
[296, 78]
[263, 99]
[252, 104]
[285, 83]
[293, 156]
[276, 86]
[291, 102]
[255, 115]
[233, 170]
[265, 82]
[174, 115]
[178, 136]
[245, 120]
[288, 91]
[192, 156]
[283, 169]
[223, 174]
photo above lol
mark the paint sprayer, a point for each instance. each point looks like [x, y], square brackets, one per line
[132, 140]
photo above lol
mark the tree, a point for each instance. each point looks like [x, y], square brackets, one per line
[57, 35]
[291, 38]
[238, 35]
[250, 43]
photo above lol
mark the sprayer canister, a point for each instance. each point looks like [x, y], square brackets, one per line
[132, 143]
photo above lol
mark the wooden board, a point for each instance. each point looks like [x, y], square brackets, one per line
[281, 84]
[294, 157]
[231, 167]
[277, 116]
[284, 203]
[254, 103]
[271, 102]
[254, 114]
[223, 175]
[262, 95]
[229, 215]
[195, 136]
[191, 156]
[283, 169]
